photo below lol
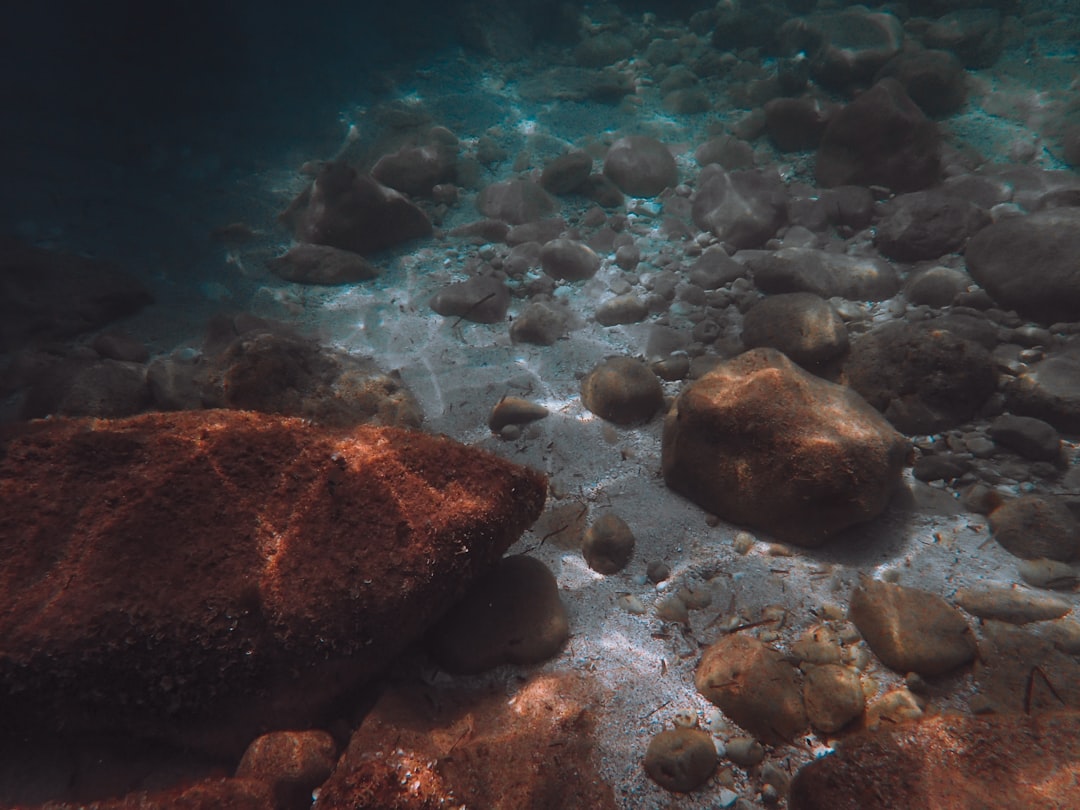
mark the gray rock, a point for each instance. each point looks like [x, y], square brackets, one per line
[845, 47]
[569, 260]
[743, 208]
[911, 630]
[481, 299]
[621, 309]
[937, 286]
[1032, 438]
[882, 138]
[803, 326]
[567, 173]
[1049, 391]
[540, 324]
[927, 224]
[714, 268]
[1029, 264]
[515, 201]
[934, 79]
[641, 166]
[973, 34]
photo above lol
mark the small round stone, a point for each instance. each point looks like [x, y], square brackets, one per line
[608, 544]
[746, 752]
[622, 390]
[657, 571]
[681, 759]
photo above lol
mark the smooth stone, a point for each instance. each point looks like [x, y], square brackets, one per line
[1050, 574]
[1032, 526]
[1020, 672]
[321, 264]
[291, 763]
[540, 324]
[746, 752]
[513, 615]
[481, 299]
[608, 544]
[803, 326]
[621, 309]
[641, 166]
[1050, 391]
[681, 759]
[569, 260]
[829, 275]
[516, 201]
[911, 630]
[1011, 605]
[1031, 438]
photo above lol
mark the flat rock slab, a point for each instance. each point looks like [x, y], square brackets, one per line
[1018, 671]
[911, 630]
[206, 576]
[950, 763]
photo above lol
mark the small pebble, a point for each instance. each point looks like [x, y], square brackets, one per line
[743, 542]
[673, 609]
[608, 544]
[630, 603]
[657, 571]
[685, 718]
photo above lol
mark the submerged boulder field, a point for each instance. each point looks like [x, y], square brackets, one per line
[207, 576]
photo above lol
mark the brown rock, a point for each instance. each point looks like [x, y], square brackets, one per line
[622, 390]
[223, 794]
[833, 696]
[754, 686]
[352, 211]
[608, 544]
[291, 763]
[474, 748]
[803, 326]
[681, 759]
[268, 369]
[198, 576]
[1020, 672]
[950, 763]
[762, 443]
[516, 201]
[1033, 527]
[640, 166]
[911, 630]
[512, 615]
[322, 264]
[883, 138]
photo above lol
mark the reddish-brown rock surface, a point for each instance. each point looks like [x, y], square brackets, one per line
[950, 763]
[206, 576]
[450, 748]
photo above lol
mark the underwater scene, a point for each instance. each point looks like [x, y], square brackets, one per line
[540, 404]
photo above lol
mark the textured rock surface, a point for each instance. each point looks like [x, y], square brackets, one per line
[911, 630]
[321, 264]
[1018, 672]
[925, 377]
[207, 576]
[803, 326]
[743, 208]
[640, 166]
[754, 686]
[826, 274]
[1049, 391]
[950, 763]
[926, 224]
[474, 748]
[763, 443]
[291, 763]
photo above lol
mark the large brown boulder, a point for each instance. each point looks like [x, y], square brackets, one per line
[760, 442]
[207, 576]
[950, 763]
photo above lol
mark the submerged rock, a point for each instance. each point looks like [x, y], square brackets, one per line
[207, 576]
[762, 443]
